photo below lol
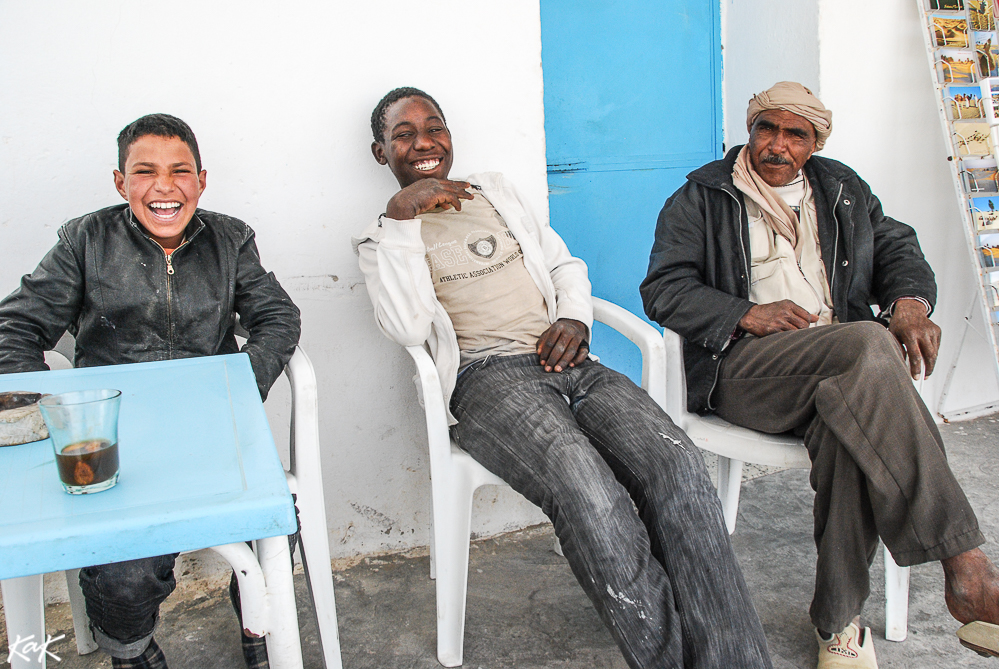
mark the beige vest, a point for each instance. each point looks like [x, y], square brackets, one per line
[780, 272]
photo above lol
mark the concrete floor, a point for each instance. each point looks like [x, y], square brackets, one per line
[526, 611]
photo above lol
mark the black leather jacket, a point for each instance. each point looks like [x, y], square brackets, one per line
[698, 280]
[113, 288]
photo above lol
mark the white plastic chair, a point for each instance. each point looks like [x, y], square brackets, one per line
[455, 476]
[735, 445]
[260, 615]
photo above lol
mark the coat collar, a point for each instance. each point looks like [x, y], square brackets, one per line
[823, 173]
[194, 226]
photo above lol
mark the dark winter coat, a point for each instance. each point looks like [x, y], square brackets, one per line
[113, 288]
[699, 277]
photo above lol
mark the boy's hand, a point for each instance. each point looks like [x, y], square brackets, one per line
[563, 345]
[427, 194]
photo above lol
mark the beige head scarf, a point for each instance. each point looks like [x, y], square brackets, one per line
[795, 98]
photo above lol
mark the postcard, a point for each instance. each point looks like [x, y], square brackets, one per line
[947, 4]
[985, 211]
[981, 15]
[987, 51]
[988, 256]
[949, 31]
[988, 246]
[965, 102]
[973, 138]
[955, 66]
[992, 287]
[980, 178]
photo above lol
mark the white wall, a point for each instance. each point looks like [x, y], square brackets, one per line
[873, 74]
[280, 96]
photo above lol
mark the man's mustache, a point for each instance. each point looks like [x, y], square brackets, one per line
[774, 159]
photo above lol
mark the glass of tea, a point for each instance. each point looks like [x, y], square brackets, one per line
[83, 426]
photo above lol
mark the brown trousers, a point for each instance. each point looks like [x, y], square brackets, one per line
[878, 461]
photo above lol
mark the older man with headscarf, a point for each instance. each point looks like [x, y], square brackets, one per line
[767, 262]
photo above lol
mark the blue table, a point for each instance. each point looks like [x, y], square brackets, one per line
[198, 469]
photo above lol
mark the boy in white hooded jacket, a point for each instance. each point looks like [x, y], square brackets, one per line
[466, 267]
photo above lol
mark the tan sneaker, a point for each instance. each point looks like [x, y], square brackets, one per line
[983, 638]
[850, 649]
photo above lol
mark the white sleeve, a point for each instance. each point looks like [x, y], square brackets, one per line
[392, 258]
[573, 298]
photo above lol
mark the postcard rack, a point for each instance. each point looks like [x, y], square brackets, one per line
[963, 53]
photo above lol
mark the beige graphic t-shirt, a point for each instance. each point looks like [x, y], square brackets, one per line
[480, 279]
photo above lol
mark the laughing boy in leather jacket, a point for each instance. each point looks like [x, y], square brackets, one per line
[153, 279]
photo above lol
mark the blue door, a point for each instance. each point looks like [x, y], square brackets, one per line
[632, 104]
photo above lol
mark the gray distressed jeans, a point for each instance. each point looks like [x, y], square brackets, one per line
[631, 501]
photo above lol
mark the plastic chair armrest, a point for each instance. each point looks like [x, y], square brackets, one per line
[645, 337]
[438, 438]
[304, 413]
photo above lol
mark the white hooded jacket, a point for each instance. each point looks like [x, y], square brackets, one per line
[392, 257]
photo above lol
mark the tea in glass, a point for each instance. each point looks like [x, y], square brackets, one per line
[83, 426]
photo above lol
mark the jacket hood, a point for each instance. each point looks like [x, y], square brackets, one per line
[718, 174]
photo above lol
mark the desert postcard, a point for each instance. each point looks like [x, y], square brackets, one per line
[973, 138]
[956, 66]
[949, 31]
[965, 102]
[981, 15]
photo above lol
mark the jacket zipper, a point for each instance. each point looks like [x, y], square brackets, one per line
[745, 265]
[742, 244]
[170, 272]
[832, 279]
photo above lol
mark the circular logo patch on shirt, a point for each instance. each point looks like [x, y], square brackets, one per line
[481, 245]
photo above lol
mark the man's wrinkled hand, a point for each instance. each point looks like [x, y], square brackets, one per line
[764, 319]
[918, 335]
[427, 194]
[563, 345]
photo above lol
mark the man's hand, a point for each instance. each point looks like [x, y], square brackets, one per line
[764, 319]
[918, 335]
[427, 194]
[563, 345]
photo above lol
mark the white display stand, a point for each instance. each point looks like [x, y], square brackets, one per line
[963, 54]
